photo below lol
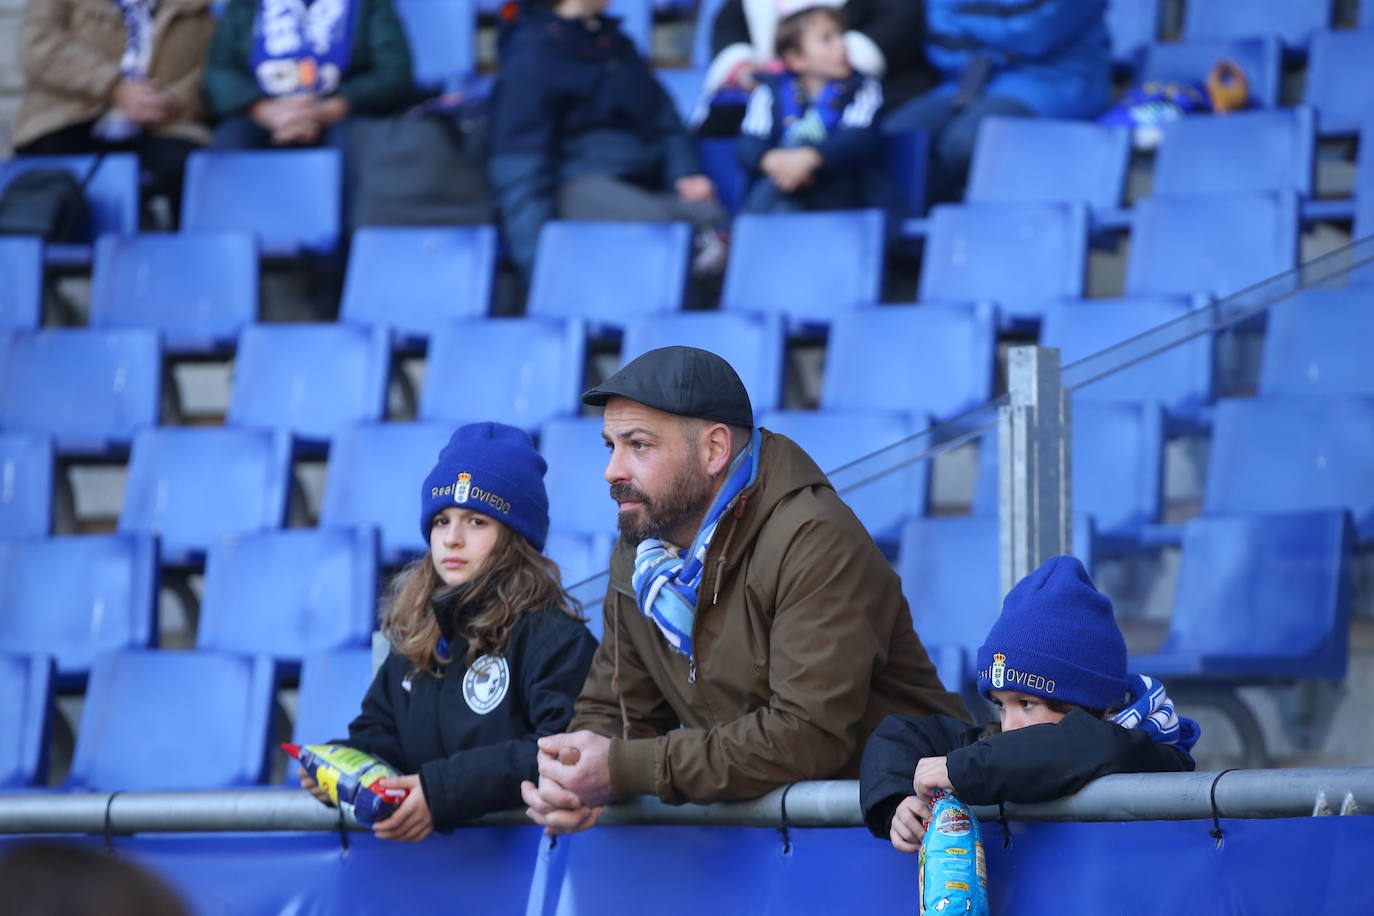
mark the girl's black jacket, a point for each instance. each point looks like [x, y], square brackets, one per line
[1031, 764]
[470, 733]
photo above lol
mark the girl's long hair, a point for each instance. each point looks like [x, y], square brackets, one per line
[515, 580]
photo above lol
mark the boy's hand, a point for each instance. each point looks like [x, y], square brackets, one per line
[313, 788]
[909, 824]
[931, 774]
[411, 822]
[789, 169]
[694, 188]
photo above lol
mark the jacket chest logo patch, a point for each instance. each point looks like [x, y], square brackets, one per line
[486, 683]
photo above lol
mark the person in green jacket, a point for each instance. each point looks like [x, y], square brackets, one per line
[284, 73]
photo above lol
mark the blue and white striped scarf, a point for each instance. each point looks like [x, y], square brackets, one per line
[1152, 712]
[666, 580]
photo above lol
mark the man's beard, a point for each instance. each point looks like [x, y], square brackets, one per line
[660, 516]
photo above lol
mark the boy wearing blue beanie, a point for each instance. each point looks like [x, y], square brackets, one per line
[488, 652]
[1054, 665]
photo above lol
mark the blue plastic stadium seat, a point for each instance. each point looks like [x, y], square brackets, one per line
[375, 472]
[1188, 61]
[1261, 596]
[1274, 454]
[521, 371]
[26, 482]
[198, 288]
[191, 487]
[332, 688]
[1308, 346]
[609, 272]
[292, 199]
[835, 438]
[91, 390]
[1294, 21]
[701, 32]
[842, 267]
[168, 720]
[289, 593]
[1132, 26]
[1214, 155]
[444, 273]
[1040, 160]
[1180, 378]
[1118, 469]
[311, 380]
[443, 43]
[1217, 243]
[720, 162]
[111, 197]
[26, 682]
[1338, 84]
[579, 496]
[935, 358]
[753, 344]
[75, 597]
[21, 293]
[637, 22]
[1020, 256]
[683, 85]
[583, 560]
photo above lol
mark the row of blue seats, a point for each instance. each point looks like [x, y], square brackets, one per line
[1262, 598]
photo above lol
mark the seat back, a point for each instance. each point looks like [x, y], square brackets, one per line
[21, 295]
[191, 487]
[1307, 345]
[637, 22]
[526, 371]
[26, 682]
[375, 472]
[752, 344]
[312, 380]
[74, 597]
[26, 481]
[837, 438]
[1337, 86]
[1132, 26]
[684, 86]
[1020, 256]
[1041, 160]
[111, 193]
[843, 267]
[198, 288]
[291, 199]
[928, 359]
[1294, 21]
[1270, 587]
[579, 497]
[333, 685]
[1280, 454]
[290, 593]
[609, 272]
[1188, 61]
[415, 279]
[1118, 466]
[1212, 155]
[167, 720]
[443, 41]
[1217, 243]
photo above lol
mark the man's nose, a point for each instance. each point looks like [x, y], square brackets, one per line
[615, 470]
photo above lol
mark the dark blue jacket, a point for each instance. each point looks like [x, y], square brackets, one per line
[575, 100]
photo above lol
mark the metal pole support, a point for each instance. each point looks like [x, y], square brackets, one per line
[1035, 519]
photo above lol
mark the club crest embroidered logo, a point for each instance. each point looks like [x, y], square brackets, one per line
[462, 487]
[999, 670]
[486, 683]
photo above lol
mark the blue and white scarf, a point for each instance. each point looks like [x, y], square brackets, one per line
[666, 580]
[114, 126]
[807, 121]
[1152, 712]
[302, 45]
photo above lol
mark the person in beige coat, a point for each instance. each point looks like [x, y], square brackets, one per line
[116, 75]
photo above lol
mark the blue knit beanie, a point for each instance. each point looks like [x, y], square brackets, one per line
[1056, 638]
[493, 469]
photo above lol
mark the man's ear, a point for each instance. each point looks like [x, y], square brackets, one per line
[718, 447]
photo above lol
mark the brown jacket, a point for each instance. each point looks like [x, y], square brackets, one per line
[72, 50]
[803, 644]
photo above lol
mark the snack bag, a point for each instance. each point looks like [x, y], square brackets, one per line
[953, 872]
[351, 779]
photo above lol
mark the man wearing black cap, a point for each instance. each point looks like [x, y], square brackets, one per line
[754, 634]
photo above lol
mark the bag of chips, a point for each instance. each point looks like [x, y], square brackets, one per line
[953, 871]
[351, 778]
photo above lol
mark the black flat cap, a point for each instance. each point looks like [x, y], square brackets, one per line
[681, 380]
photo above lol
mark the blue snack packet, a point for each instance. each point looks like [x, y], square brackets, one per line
[351, 778]
[953, 876]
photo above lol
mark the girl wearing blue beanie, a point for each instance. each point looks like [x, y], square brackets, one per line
[1054, 665]
[488, 652]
